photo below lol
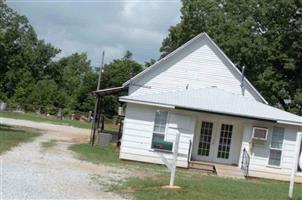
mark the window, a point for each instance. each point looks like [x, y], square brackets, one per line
[276, 146]
[158, 139]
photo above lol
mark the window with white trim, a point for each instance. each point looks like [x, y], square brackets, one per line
[158, 138]
[276, 146]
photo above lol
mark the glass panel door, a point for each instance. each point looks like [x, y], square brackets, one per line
[225, 139]
[205, 139]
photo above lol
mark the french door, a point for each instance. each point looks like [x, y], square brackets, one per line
[205, 150]
[215, 141]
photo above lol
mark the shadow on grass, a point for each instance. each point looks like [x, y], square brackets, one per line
[11, 137]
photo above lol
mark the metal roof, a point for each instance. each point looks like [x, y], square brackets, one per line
[197, 37]
[215, 100]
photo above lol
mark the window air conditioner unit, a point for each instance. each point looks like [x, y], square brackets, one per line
[260, 133]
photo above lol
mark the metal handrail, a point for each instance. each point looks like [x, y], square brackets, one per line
[190, 149]
[245, 163]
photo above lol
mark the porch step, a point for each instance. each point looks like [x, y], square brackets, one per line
[219, 169]
[229, 171]
[208, 167]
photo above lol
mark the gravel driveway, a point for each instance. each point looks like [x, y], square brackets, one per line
[30, 171]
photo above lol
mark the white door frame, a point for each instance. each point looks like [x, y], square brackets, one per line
[208, 158]
[214, 140]
[229, 160]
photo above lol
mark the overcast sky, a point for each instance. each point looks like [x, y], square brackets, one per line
[91, 26]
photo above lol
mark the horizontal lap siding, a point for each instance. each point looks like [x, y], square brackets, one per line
[199, 69]
[260, 153]
[137, 136]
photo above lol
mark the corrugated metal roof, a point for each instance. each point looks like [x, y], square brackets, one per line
[216, 100]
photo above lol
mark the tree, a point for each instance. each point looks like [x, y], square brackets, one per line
[23, 57]
[114, 75]
[76, 77]
[265, 36]
[149, 63]
[47, 97]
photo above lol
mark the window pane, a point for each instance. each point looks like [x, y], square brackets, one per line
[205, 138]
[160, 121]
[274, 157]
[225, 141]
[158, 139]
[158, 142]
[277, 138]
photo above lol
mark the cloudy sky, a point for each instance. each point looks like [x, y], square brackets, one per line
[93, 25]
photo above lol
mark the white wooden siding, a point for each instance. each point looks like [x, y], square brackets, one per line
[198, 66]
[138, 131]
[259, 152]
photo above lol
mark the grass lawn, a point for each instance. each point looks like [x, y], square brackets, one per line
[109, 125]
[194, 185]
[205, 187]
[11, 137]
[106, 155]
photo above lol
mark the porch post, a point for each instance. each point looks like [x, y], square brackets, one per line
[294, 169]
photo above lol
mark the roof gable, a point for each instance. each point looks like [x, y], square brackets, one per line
[176, 56]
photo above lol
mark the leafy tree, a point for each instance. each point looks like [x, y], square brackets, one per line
[115, 74]
[119, 71]
[149, 63]
[23, 56]
[265, 36]
[76, 77]
[47, 97]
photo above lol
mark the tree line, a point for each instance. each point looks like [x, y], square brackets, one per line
[32, 78]
[265, 36]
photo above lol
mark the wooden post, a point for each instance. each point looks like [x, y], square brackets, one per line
[294, 169]
[96, 105]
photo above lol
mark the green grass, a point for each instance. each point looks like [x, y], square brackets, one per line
[49, 144]
[205, 187]
[42, 118]
[107, 155]
[11, 137]
[194, 185]
[96, 154]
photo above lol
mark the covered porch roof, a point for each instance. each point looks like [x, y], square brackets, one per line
[217, 101]
[110, 91]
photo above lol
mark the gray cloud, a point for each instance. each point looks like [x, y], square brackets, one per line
[91, 26]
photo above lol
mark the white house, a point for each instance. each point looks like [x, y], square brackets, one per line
[222, 119]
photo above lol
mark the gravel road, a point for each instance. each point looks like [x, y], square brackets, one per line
[30, 171]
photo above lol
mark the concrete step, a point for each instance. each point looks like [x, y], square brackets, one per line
[220, 169]
[229, 171]
[202, 166]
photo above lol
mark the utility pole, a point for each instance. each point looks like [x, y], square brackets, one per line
[96, 114]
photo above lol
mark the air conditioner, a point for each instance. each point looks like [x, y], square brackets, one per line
[259, 133]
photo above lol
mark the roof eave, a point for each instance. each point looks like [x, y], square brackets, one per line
[124, 99]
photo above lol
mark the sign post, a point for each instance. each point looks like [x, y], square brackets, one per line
[175, 153]
[295, 166]
[171, 165]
